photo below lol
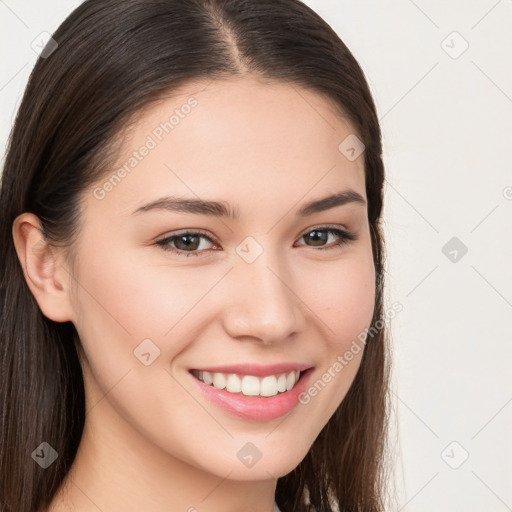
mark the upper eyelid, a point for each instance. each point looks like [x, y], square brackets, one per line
[205, 233]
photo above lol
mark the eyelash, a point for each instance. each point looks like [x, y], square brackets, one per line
[344, 238]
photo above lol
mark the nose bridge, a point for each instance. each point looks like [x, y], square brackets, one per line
[263, 304]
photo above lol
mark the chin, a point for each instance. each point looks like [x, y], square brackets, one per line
[272, 466]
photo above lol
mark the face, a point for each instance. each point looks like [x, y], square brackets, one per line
[161, 291]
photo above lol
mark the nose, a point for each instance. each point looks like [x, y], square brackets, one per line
[262, 302]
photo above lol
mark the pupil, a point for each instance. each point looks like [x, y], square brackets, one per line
[317, 238]
[188, 244]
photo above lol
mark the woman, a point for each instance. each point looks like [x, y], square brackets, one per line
[250, 376]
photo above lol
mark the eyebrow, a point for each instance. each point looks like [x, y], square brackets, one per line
[224, 209]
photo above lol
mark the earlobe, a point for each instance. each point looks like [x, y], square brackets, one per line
[44, 273]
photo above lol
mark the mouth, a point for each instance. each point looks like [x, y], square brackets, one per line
[250, 385]
[253, 392]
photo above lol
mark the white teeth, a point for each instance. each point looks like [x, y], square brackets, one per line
[281, 383]
[250, 385]
[290, 381]
[268, 386]
[234, 384]
[219, 380]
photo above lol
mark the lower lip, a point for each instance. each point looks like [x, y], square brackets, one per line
[259, 408]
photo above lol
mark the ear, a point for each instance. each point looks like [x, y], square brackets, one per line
[46, 275]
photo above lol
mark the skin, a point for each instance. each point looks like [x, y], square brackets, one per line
[149, 443]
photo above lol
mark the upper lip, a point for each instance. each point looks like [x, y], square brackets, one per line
[256, 369]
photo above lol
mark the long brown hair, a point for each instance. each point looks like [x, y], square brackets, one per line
[113, 58]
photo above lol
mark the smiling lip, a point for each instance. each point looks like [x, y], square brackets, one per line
[256, 369]
[256, 408]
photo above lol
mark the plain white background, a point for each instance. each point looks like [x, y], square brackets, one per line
[441, 77]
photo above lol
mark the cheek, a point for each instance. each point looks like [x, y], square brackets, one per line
[128, 297]
[120, 302]
[344, 298]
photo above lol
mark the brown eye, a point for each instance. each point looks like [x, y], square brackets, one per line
[185, 244]
[319, 236]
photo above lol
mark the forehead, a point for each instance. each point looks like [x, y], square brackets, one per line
[239, 140]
